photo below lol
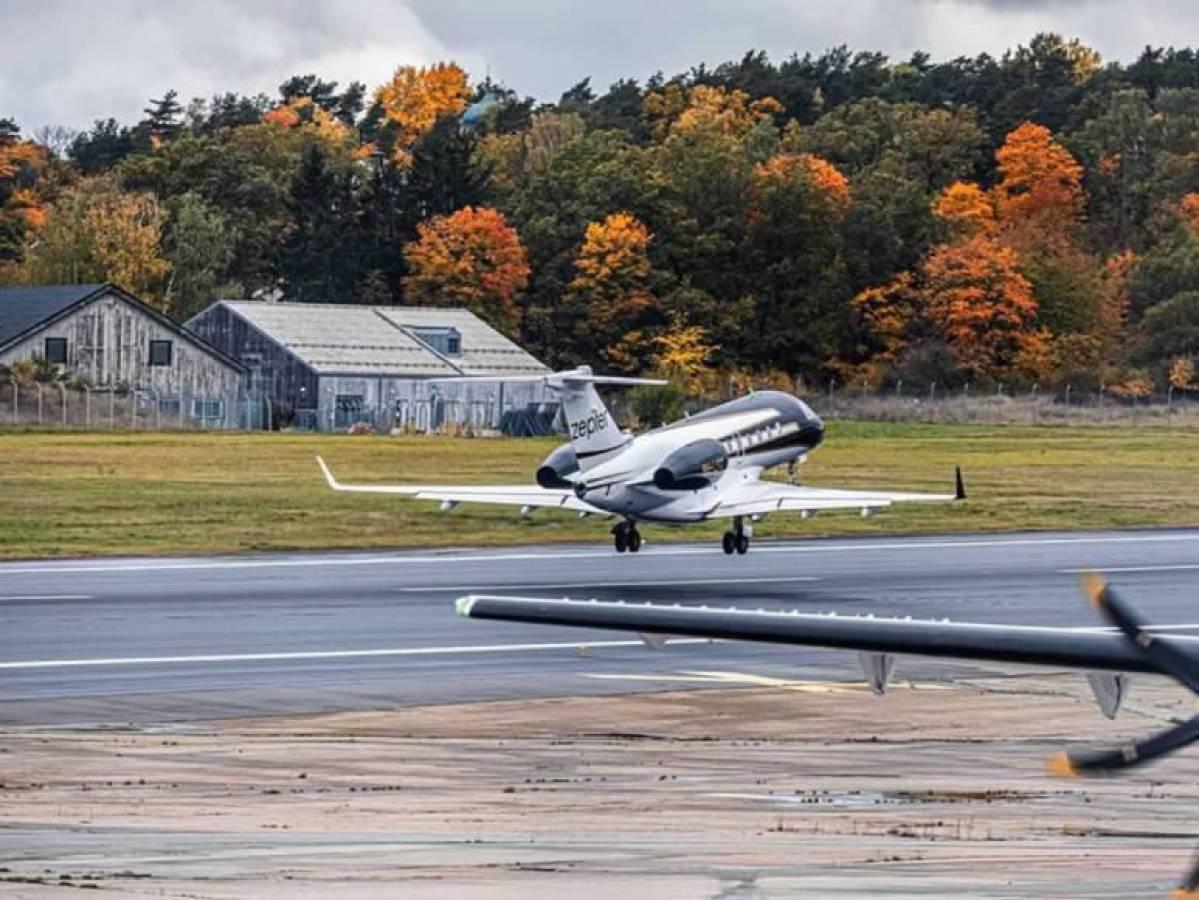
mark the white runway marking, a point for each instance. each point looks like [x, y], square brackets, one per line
[36, 597]
[911, 545]
[1116, 570]
[326, 654]
[694, 582]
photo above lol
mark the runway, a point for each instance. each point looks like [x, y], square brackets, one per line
[163, 640]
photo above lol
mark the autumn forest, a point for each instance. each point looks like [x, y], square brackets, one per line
[1028, 219]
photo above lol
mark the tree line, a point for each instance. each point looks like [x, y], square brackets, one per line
[1025, 219]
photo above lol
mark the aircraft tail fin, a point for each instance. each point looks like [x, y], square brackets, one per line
[592, 430]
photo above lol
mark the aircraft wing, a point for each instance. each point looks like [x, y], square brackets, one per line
[761, 497]
[1081, 648]
[502, 495]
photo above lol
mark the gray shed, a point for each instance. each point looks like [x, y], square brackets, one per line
[107, 338]
[328, 366]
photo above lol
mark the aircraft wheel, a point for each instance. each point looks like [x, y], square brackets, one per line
[742, 544]
[634, 540]
[620, 540]
[728, 543]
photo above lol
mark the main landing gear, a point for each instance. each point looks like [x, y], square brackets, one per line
[737, 540]
[625, 536]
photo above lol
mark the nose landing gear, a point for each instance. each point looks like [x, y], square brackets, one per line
[737, 540]
[625, 536]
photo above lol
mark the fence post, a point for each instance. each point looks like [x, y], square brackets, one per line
[269, 424]
[87, 407]
[157, 408]
[16, 399]
[62, 389]
[830, 393]
[40, 420]
[899, 388]
[112, 407]
[132, 409]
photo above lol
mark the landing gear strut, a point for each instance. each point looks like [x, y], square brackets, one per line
[737, 540]
[625, 536]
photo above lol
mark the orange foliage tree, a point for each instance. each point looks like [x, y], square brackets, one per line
[1040, 183]
[612, 281]
[1188, 209]
[975, 298]
[416, 98]
[470, 258]
[830, 185]
[21, 166]
[302, 112]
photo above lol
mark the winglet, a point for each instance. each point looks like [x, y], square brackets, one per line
[1059, 764]
[959, 485]
[463, 605]
[332, 482]
[1094, 584]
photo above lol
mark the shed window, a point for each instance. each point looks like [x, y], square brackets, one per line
[56, 351]
[453, 343]
[160, 353]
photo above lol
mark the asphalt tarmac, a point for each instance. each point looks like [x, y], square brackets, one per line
[162, 640]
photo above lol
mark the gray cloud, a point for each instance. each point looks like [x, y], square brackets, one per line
[68, 61]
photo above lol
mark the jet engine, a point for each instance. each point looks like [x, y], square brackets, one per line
[692, 467]
[553, 472]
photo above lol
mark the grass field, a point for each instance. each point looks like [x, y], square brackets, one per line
[72, 494]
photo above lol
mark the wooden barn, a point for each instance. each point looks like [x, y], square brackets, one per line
[329, 366]
[106, 338]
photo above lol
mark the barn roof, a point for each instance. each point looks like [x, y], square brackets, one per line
[348, 339]
[23, 309]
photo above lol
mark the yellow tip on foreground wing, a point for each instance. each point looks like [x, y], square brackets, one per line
[1182, 894]
[1059, 764]
[1094, 584]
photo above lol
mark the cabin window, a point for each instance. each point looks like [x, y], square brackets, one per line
[56, 351]
[160, 353]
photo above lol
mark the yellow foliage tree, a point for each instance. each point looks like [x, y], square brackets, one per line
[679, 109]
[416, 98]
[683, 357]
[612, 282]
[1181, 374]
[98, 232]
[966, 208]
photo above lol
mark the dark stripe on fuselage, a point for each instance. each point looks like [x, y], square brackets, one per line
[593, 453]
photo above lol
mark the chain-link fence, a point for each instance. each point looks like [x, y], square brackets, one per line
[994, 405]
[438, 415]
[55, 404]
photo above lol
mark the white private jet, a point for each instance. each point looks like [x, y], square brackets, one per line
[707, 466]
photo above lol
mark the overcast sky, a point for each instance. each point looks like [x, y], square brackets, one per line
[71, 61]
